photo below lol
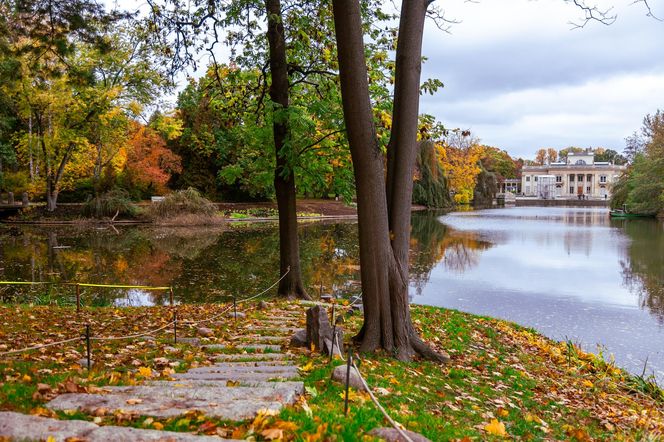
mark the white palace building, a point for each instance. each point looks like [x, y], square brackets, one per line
[580, 176]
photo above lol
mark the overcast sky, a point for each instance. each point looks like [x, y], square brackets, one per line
[519, 78]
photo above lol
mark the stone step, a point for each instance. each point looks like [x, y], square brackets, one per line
[21, 427]
[169, 399]
[282, 330]
[235, 377]
[230, 369]
[264, 363]
[262, 339]
[253, 357]
[259, 347]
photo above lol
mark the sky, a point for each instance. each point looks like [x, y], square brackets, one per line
[520, 78]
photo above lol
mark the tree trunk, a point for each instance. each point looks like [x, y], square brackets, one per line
[384, 225]
[284, 179]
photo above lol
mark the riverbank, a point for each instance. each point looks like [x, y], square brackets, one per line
[73, 213]
[503, 381]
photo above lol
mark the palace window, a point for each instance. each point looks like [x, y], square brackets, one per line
[559, 178]
[579, 178]
[571, 190]
[571, 178]
[527, 178]
[602, 178]
[535, 178]
[580, 163]
[588, 189]
[589, 178]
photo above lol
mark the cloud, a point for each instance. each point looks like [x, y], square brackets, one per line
[520, 78]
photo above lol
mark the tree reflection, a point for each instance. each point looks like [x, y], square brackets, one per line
[204, 264]
[643, 268]
[432, 242]
[201, 264]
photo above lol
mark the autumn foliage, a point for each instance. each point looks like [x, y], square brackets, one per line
[150, 164]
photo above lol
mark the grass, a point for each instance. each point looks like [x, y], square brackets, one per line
[182, 202]
[111, 204]
[263, 212]
[532, 387]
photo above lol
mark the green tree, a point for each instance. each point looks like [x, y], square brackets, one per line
[641, 188]
[430, 187]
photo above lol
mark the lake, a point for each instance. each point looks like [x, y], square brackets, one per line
[571, 273]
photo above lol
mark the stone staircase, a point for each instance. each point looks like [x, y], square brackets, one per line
[251, 374]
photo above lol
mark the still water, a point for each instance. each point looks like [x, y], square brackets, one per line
[570, 273]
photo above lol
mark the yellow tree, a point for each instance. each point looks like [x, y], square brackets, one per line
[461, 163]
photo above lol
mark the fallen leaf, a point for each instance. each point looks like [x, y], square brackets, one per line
[496, 428]
[273, 433]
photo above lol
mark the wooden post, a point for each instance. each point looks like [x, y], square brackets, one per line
[87, 344]
[334, 332]
[78, 298]
[350, 361]
[171, 296]
[175, 327]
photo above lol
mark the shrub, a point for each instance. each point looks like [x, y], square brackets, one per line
[182, 202]
[110, 204]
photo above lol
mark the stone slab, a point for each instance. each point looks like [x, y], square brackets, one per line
[232, 370]
[261, 339]
[239, 377]
[22, 427]
[127, 434]
[247, 357]
[296, 386]
[392, 435]
[261, 347]
[169, 399]
[263, 363]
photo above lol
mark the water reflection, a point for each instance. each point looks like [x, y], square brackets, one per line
[433, 242]
[201, 264]
[643, 264]
[571, 273]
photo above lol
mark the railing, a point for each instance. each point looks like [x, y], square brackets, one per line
[87, 337]
[78, 286]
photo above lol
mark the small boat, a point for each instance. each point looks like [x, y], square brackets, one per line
[623, 213]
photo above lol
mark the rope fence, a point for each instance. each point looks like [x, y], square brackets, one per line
[78, 286]
[87, 337]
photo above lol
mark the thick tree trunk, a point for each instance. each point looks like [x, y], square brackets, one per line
[284, 179]
[384, 225]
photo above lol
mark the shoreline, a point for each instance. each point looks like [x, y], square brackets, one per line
[310, 210]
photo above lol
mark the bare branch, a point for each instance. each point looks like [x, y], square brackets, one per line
[649, 12]
[592, 13]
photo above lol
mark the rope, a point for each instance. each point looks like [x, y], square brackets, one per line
[137, 335]
[37, 347]
[238, 302]
[397, 426]
[267, 289]
[143, 287]
[84, 284]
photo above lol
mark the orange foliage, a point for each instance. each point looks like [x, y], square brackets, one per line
[150, 163]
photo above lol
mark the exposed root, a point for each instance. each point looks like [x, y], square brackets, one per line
[425, 351]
